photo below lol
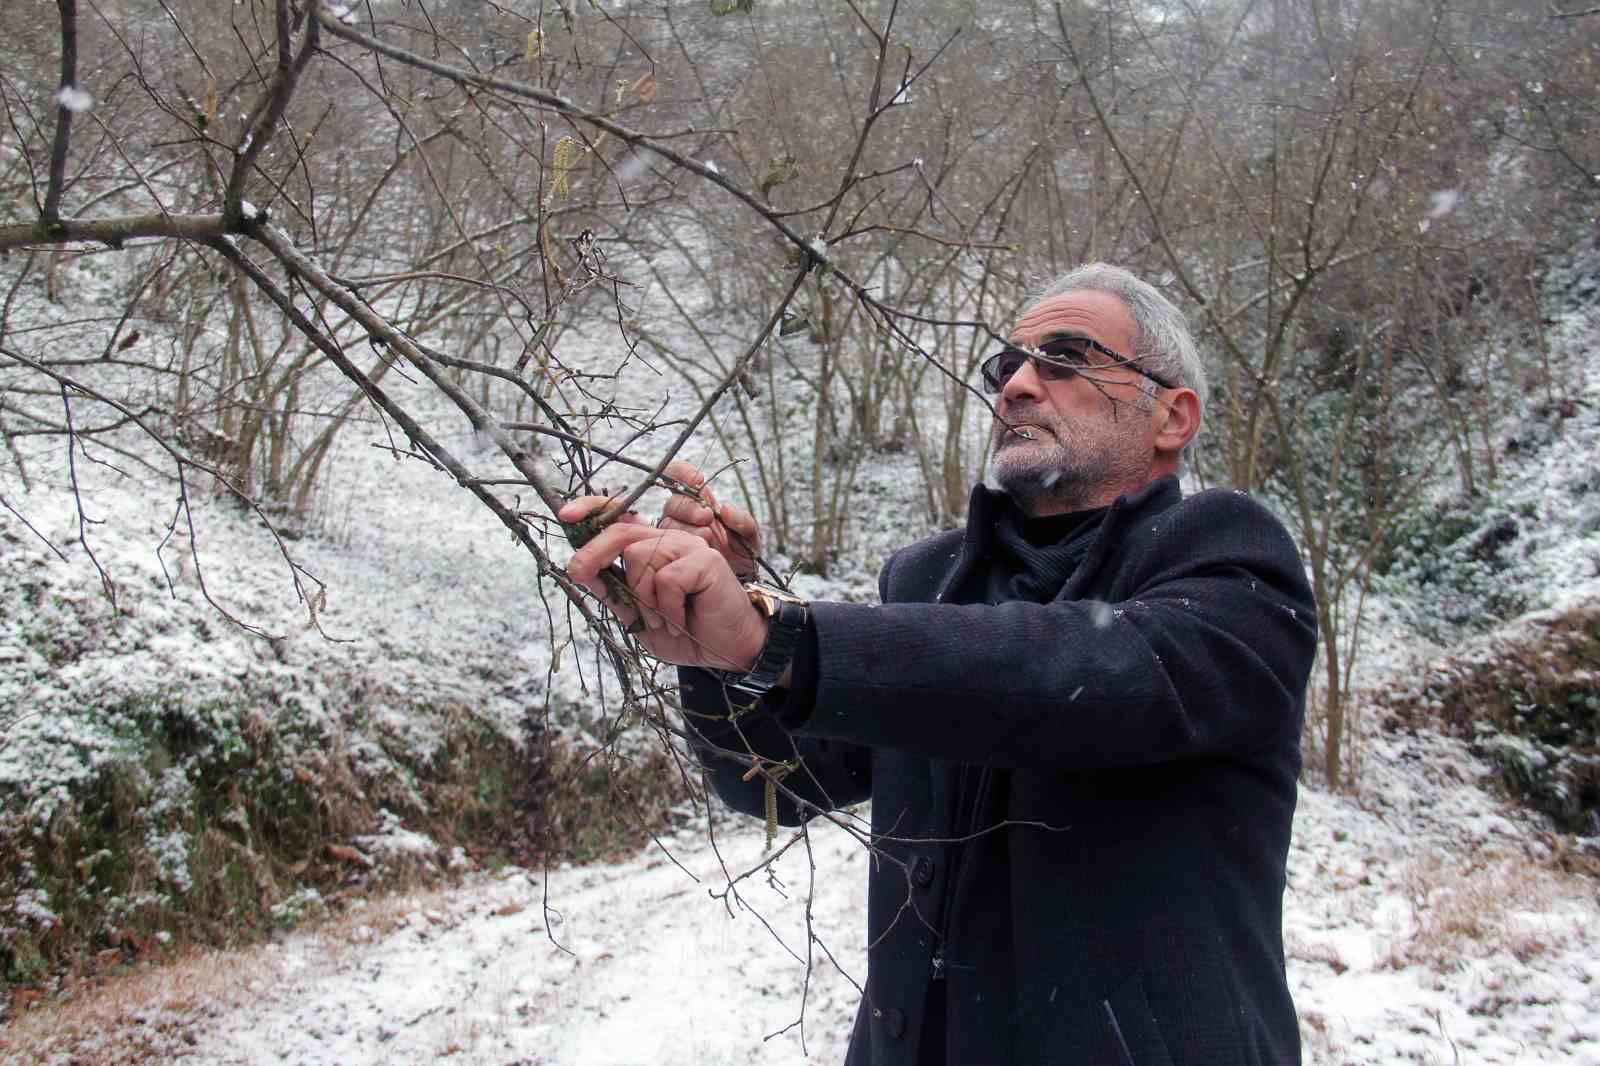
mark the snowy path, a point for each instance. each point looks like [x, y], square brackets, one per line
[659, 972]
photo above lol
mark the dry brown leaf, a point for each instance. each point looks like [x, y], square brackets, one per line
[345, 853]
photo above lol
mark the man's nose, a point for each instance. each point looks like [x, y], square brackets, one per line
[1025, 384]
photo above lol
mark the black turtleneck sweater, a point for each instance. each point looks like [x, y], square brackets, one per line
[1032, 558]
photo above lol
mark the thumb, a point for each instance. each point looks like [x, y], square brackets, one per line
[738, 520]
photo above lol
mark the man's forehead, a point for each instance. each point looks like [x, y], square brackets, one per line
[1079, 313]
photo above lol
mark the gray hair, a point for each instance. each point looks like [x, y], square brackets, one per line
[1164, 344]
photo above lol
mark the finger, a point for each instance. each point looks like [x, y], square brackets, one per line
[685, 472]
[675, 583]
[582, 507]
[696, 507]
[673, 605]
[621, 607]
[608, 546]
[711, 535]
[585, 506]
[740, 521]
[644, 561]
[686, 511]
[706, 531]
[644, 599]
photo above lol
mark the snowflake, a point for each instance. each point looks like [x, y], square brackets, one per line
[74, 99]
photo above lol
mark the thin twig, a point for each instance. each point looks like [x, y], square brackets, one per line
[622, 506]
[48, 543]
[84, 521]
[182, 460]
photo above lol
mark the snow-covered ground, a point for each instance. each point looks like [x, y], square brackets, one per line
[1426, 922]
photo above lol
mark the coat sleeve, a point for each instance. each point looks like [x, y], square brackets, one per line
[1202, 648]
[830, 775]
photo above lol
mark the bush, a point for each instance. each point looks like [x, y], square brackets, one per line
[1454, 566]
[597, 801]
[216, 822]
[1530, 705]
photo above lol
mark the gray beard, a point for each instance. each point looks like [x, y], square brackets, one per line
[1069, 475]
[1038, 487]
[1037, 490]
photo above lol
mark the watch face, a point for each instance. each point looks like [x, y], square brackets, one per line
[767, 597]
[765, 602]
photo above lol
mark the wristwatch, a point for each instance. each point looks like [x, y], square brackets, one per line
[787, 615]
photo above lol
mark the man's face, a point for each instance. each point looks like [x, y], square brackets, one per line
[1080, 441]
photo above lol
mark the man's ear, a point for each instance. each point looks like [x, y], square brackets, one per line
[1178, 420]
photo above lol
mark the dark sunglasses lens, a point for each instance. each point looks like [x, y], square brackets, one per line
[1069, 350]
[998, 368]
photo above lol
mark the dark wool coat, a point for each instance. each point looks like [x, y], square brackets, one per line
[1135, 741]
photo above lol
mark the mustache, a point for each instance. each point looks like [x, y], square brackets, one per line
[1032, 412]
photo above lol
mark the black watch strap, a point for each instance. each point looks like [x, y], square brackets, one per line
[785, 628]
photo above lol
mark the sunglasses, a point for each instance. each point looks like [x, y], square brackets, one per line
[1056, 359]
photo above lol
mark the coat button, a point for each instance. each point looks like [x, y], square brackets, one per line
[895, 1022]
[922, 871]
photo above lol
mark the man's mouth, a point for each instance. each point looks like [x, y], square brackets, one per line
[1028, 431]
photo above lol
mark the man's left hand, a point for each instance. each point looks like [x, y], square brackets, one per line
[695, 611]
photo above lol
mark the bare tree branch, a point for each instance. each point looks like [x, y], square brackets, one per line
[270, 108]
[115, 232]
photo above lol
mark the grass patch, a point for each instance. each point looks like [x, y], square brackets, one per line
[1464, 909]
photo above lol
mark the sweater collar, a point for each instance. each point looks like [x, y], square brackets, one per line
[1031, 559]
[985, 505]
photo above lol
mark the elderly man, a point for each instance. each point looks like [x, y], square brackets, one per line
[1078, 719]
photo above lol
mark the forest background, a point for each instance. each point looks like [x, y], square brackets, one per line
[257, 256]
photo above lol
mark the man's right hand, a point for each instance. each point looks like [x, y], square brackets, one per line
[683, 601]
[731, 530]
